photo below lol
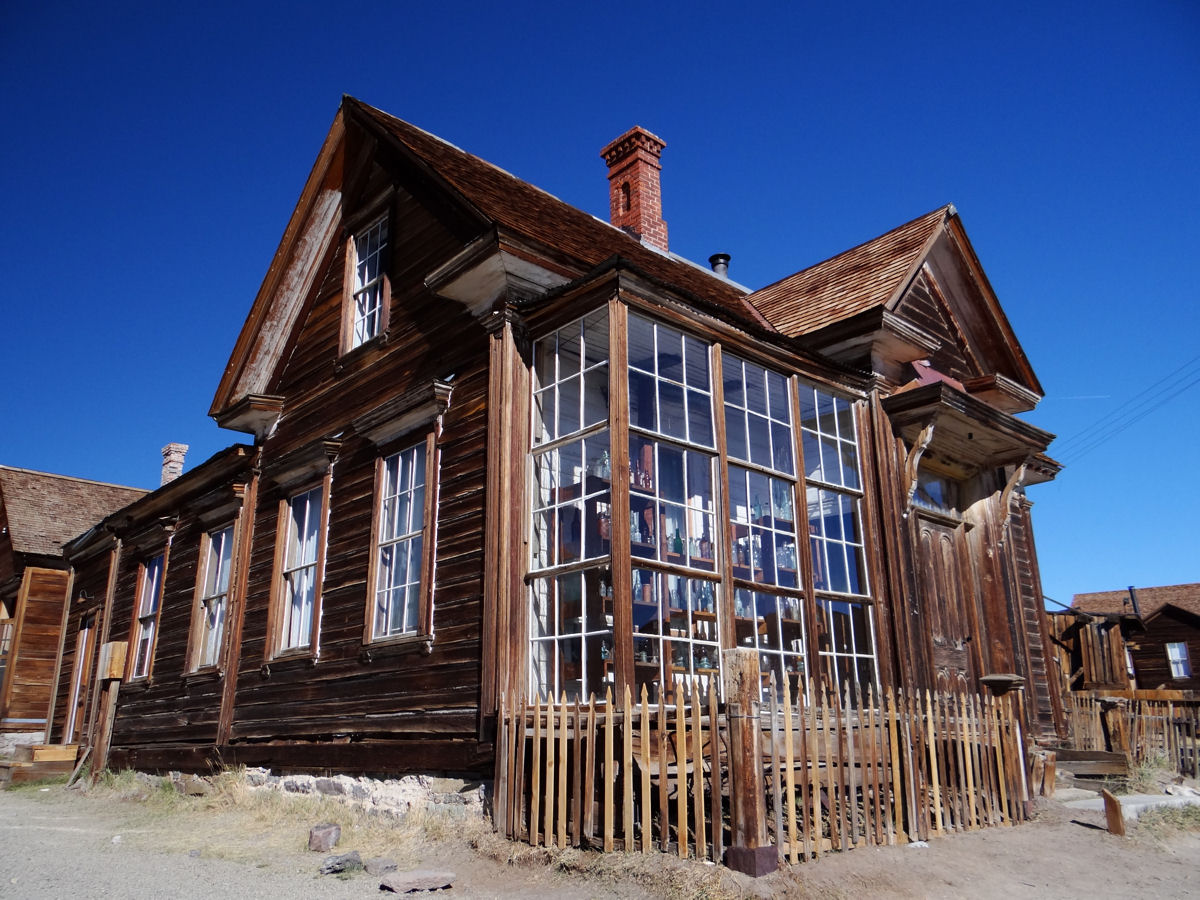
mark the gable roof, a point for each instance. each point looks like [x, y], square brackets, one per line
[45, 510]
[503, 199]
[869, 275]
[1150, 600]
[487, 195]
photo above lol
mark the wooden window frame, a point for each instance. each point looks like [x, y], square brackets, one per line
[135, 626]
[275, 616]
[195, 632]
[1184, 660]
[423, 629]
[349, 327]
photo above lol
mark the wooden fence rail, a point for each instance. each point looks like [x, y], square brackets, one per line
[1162, 732]
[837, 772]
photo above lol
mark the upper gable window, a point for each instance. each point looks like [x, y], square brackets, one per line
[149, 598]
[369, 291]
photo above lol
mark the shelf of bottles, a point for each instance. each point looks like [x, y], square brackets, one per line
[764, 529]
[676, 637]
[671, 515]
[773, 624]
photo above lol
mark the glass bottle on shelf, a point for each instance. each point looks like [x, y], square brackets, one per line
[677, 546]
[605, 466]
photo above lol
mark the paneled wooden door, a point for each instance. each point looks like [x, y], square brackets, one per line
[944, 601]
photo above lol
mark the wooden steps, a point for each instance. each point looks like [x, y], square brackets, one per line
[1092, 762]
[34, 762]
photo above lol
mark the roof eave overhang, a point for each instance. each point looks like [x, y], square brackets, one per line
[254, 414]
[875, 334]
[496, 265]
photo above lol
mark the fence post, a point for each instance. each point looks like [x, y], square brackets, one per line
[749, 851]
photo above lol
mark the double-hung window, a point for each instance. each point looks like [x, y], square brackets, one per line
[145, 626]
[212, 598]
[1177, 657]
[303, 549]
[369, 295]
[400, 545]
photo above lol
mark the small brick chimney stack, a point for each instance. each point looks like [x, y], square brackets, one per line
[172, 466]
[634, 195]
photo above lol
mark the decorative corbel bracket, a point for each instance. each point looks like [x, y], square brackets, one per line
[912, 465]
[1014, 482]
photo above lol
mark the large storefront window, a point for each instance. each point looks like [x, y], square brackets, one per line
[571, 625]
[834, 496]
[705, 567]
[768, 600]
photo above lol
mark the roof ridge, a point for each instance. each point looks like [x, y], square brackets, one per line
[74, 478]
[669, 255]
[947, 208]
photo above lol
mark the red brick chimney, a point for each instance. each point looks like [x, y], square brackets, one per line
[635, 198]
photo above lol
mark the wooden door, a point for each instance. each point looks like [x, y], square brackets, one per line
[85, 645]
[944, 602]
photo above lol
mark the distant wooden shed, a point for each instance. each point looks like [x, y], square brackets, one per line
[39, 512]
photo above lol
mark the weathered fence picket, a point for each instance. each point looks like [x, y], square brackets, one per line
[861, 768]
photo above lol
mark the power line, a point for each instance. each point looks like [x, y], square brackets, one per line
[1131, 418]
[1105, 424]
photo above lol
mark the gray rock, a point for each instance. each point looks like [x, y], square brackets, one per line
[194, 854]
[417, 880]
[380, 865]
[345, 862]
[323, 838]
[194, 786]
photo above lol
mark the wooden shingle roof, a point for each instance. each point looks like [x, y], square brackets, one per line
[864, 277]
[508, 201]
[1150, 600]
[44, 511]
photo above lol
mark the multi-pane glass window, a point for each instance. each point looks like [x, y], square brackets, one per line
[681, 523]
[149, 597]
[675, 635]
[400, 543]
[834, 499]
[571, 611]
[1177, 657]
[213, 601]
[370, 249]
[303, 535]
[672, 506]
[761, 508]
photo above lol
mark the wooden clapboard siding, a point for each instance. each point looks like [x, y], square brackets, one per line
[924, 306]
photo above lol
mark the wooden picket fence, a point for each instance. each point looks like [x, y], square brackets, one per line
[837, 772]
[1163, 732]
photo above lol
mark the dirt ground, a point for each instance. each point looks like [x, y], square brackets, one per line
[56, 842]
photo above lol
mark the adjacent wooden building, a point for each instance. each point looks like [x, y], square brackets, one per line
[1159, 628]
[500, 447]
[39, 512]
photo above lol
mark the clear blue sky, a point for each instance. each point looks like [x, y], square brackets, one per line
[153, 152]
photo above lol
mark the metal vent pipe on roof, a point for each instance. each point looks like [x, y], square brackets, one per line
[720, 264]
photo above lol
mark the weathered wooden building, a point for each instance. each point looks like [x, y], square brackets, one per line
[502, 446]
[1159, 628]
[39, 512]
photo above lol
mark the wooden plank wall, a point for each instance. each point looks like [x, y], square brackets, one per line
[1164, 733]
[839, 773]
[379, 708]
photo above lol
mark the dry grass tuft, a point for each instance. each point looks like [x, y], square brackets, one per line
[237, 821]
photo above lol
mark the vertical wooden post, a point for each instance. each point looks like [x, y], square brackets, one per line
[749, 851]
